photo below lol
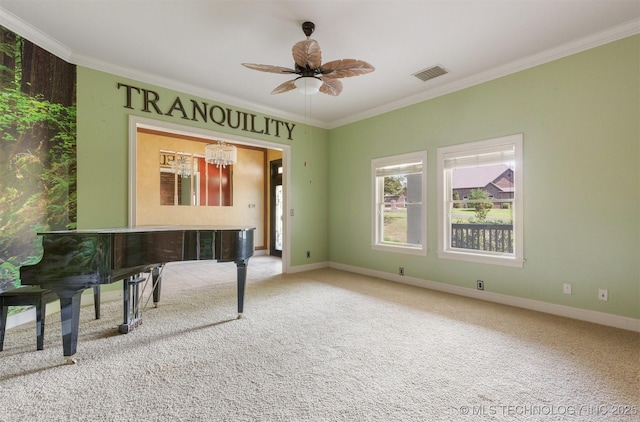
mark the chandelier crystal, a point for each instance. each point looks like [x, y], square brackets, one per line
[182, 166]
[221, 154]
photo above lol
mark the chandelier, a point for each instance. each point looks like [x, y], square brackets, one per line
[182, 166]
[221, 154]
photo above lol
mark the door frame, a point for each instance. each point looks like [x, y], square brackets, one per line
[272, 207]
[136, 122]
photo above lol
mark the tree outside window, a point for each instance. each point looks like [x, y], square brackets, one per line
[399, 185]
[480, 196]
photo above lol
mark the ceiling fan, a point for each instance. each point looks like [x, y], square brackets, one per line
[314, 76]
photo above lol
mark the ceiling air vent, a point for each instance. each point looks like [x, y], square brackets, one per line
[431, 72]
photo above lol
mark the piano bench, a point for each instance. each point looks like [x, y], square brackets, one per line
[26, 296]
[37, 297]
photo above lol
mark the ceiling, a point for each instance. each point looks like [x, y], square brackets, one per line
[197, 47]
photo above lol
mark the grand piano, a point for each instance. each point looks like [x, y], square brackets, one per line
[76, 260]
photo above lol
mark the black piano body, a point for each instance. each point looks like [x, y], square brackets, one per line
[76, 260]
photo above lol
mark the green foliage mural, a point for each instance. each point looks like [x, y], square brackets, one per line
[37, 151]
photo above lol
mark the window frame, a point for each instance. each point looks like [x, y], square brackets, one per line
[470, 149]
[376, 190]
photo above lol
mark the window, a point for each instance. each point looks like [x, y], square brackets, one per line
[399, 216]
[480, 197]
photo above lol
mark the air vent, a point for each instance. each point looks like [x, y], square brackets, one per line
[430, 73]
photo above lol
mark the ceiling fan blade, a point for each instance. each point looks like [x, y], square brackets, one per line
[307, 53]
[284, 87]
[268, 68]
[331, 87]
[345, 68]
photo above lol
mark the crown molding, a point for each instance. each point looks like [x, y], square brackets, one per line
[36, 36]
[610, 35]
[33, 34]
[152, 79]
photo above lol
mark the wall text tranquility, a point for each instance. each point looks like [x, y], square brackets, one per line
[202, 111]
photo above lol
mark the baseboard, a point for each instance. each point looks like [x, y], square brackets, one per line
[308, 267]
[601, 318]
[595, 317]
[23, 317]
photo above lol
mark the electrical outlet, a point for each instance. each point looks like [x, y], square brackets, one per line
[566, 288]
[401, 270]
[603, 294]
[480, 284]
[308, 254]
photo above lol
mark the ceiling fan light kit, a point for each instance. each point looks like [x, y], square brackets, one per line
[313, 75]
[308, 85]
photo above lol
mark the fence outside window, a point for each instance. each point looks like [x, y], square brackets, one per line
[484, 237]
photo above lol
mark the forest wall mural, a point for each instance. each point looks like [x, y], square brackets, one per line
[37, 151]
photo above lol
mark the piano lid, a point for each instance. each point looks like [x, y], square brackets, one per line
[145, 229]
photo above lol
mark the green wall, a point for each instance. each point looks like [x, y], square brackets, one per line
[103, 145]
[580, 120]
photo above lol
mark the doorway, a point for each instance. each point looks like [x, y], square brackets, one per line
[277, 200]
[280, 152]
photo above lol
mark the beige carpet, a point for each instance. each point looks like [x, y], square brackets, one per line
[323, 346]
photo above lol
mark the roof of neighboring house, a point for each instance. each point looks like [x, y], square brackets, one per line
[477, 177]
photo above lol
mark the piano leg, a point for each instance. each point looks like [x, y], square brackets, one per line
[70, 318]
[156, 273]
[96, 300]
[242, 281]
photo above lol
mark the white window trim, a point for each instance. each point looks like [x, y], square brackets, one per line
[517, 260]
[390, 161]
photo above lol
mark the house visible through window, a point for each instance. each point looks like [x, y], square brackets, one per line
[399, 188]
[480, 201]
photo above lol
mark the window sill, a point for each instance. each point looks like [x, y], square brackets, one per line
[401, 249]
[482, 259]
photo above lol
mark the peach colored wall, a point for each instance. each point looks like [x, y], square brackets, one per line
[249, 202]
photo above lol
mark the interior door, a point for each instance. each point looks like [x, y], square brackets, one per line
[277, 197]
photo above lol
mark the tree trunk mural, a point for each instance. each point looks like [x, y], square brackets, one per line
[37, 151]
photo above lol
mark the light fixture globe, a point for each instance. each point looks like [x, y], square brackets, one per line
[308, 85]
